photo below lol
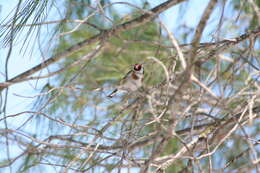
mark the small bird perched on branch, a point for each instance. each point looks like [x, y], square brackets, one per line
[132, 80]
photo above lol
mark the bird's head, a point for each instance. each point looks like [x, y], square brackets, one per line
[138, 67]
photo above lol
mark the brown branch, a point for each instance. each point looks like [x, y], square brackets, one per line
[231, 41]
[53, 22]
[165, 161]
[103, 35]
[236, 157]
[200, 28]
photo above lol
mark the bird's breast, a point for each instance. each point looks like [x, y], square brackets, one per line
[135, 76]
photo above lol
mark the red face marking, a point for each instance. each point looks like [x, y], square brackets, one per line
[137, 67]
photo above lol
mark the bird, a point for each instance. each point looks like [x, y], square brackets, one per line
[131, 81]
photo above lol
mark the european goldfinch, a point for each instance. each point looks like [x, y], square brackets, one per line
[132, 80]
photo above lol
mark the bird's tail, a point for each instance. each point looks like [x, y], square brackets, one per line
[112, 93]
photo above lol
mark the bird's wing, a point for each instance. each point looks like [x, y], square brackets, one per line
[125, 77]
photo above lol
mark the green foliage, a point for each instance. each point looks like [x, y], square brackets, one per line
[108, 68]
[28, 11]
[172, 146]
